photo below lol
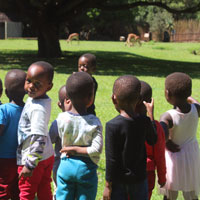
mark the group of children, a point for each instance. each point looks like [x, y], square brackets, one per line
[136, 145]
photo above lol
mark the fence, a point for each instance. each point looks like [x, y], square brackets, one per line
[185, 37]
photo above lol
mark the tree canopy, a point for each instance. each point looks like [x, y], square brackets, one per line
[46, 16]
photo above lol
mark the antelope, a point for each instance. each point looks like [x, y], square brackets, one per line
[73, 36]
[131, 39]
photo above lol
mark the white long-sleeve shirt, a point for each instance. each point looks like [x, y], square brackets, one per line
[34, 143]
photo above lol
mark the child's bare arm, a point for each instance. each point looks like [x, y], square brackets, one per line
[25, 172]
[150, 109]
[73, 150]
[107, 191]
[197, 104]
[167, 123]
[190, 99]
[94, 149]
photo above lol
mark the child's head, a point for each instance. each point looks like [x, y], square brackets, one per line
[126, 92]
[64, 102]
[1, 87]
[80, 89]
[14, 85]
[178, 86]
[39, 79]
[145, 95]
[87, 63]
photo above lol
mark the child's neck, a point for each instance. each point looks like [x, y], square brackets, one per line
[17, 102]
[183, 107]
[81, 110]
[44, 96]
[127, 113]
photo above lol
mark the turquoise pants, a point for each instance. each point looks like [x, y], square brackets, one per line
[76, 179]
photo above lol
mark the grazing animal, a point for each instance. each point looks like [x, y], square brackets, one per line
[131, 39]
[73, 36]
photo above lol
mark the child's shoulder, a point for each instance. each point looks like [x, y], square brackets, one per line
[10, 112]
[167, 114]
[115, 120]
[68, 115]
[121, 121]
[38, 103]
[63, 115]
[95, 82]
[93, 117]
[142, 119]
[93, 78]
[10, 106]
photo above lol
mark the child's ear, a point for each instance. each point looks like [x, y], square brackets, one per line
[67, 101]
[114, 99]
[167, 93]
[59, 105]
[67, 105]
[50, 86]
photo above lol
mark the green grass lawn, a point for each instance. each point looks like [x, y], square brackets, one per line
[151, 62]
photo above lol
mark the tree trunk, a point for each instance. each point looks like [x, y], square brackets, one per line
[48, 41]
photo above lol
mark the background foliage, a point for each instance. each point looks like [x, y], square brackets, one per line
[49, 20]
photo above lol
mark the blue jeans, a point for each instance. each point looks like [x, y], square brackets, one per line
[76, 179]
[137, 191]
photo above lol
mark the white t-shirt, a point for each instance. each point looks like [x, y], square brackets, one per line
[81, 130]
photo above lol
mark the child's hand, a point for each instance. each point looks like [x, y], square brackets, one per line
[107, 193]
[150, 108]
[68, 150]
[171, 146]
[190, 100]
[25, 172]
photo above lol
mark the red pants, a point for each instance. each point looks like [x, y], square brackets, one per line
[151, 182]
[39, 182]
[8, 179]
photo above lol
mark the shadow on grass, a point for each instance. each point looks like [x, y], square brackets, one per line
[108, 63]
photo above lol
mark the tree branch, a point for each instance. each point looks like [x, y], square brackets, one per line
[72, 9]
[142, 3]
[66, 7]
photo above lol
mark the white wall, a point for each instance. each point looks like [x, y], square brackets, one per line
[14, 29]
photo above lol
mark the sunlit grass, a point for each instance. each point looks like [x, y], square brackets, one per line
[151, 62]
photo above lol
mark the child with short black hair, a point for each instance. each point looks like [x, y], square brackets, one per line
[125, 144]
[65, 105]
[180, 125]
[1, 90]
[87, 63]
[35, 151]
[81, 135]
[9, 119]
[155, 153]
